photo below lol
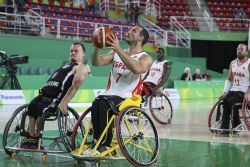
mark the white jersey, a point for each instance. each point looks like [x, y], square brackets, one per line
[122, 82]
[155, 72]
[240, 76]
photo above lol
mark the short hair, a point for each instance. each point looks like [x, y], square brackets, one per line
[78, 43]
[161, 50]
[145, 35]
[245, 45]
[187, 69]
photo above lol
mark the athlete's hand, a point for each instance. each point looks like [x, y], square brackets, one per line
[247, 97]
[63, 107]
[114, 42]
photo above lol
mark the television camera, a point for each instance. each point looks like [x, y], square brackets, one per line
[10, 62]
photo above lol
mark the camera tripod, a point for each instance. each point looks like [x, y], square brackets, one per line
[11, 79]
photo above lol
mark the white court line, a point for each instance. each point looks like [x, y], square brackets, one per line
[208, 141]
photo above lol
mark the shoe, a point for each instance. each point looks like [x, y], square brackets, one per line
[132, 118]
[30, 143]
[102, 148]
[224, 133]
[89, 151]
[99, 150]
[236, 133]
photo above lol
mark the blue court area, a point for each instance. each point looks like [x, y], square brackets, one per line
[187, 142]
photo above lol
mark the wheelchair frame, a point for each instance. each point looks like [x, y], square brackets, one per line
[82, 140]
[163, 112]
[20, 131]
[214, 126]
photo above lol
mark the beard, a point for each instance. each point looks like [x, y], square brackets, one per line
[73, 60]
[240, 56]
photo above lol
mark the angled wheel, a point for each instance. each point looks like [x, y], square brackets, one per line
[11, 134]
[137, 136]
[246, 114]
[161, 108]
[215, 116]
[66, 124]
[82, 125]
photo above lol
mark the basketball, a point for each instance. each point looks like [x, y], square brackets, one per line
[100, 37]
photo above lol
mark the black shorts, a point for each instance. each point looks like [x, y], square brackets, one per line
[39, 105]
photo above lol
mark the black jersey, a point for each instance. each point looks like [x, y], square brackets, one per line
[59, 83]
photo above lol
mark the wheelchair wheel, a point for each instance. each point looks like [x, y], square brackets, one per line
[11, 134]
[215, 116]
[137, 136]
[246, 114]
[82, 124]
[66, 123]
[161, 108]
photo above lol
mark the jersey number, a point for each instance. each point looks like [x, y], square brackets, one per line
[237, 82]
[118, 77]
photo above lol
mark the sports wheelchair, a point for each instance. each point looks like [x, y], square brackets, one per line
[215, 117]
[160, 107]
[17, 128]
[135, 136]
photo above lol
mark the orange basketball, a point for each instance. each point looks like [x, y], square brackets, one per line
[100, 37]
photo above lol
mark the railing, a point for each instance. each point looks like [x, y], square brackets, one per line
[183, 36]
[20, 24]
[79, 30]
[177, 37]
[212, 24]
[153, 8]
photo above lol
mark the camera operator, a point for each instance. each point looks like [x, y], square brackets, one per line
[9, 62]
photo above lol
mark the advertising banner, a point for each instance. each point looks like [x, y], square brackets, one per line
[12, 97]
[88, 95]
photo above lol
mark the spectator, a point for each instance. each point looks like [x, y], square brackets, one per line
[10, 6]
[2, 5]
[197, 74]
[241, 15]
[91, 5]
[136, 14]
[129, 13]
[186, 76]
[206, 76]
[20, 6]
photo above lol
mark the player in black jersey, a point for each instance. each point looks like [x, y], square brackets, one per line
[57, 92]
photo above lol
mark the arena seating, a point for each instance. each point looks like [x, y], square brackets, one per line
[71, 15]
[224, 11]
[175, 8]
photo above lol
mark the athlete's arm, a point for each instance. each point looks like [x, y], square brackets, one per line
[137, 67]
[101, 60]
[229, 81]
[81, 71]
[247, 95]
[165, 74]
[230, 75]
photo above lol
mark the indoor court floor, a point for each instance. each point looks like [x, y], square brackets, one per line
[187, 142]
